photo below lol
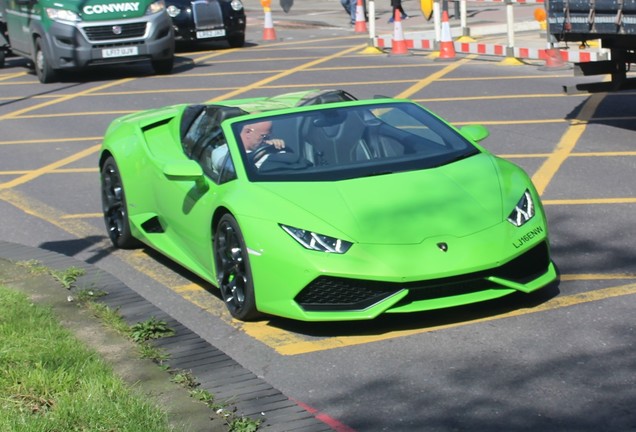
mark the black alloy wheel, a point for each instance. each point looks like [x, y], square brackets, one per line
[233, 271]
[114, 207]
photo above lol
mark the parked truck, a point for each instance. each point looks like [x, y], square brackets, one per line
[611, 21]
[59, 35]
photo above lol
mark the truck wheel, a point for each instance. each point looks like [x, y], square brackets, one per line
[236, 40]
[43, 69]
[163, 67]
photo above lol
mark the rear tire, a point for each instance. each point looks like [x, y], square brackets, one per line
[46, 74]
[115, 208]
[233, 271]
[163, 67]
[236, 40]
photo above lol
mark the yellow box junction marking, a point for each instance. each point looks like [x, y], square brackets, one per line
[284, 342]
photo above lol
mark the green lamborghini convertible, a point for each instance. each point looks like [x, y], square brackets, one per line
[317, 206]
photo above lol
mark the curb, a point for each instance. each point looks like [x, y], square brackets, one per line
[216, 372]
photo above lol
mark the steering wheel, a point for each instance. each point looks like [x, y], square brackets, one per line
[261, 151]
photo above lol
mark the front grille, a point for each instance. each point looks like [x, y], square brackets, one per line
[331, 293]
[328, 293]
[207, 14]
[109, 32]
[526, 267]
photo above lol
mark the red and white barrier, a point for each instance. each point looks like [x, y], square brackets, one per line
[428, 41]
[497, 50]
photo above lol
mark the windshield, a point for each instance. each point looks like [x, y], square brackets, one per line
[348, 142]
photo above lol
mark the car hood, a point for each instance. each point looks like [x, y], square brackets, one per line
[403, 208]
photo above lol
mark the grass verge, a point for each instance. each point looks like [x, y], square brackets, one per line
[51, 381]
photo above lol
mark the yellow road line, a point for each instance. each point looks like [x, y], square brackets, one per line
[597, 276]
[82, 216]
[72, 114]
[291, 71]
[187, 288]
[11, 76]
[566, 145]
[433, 77]
[56, 171]
[50, 167]
[64, 98]
[509, 77]
[283, 342]
[587, 201]
[510, 122]
[299, 346]
[49, 214]
[582, 154]
[75, 170]
[51, 140]
[137, 259]
[480, 98]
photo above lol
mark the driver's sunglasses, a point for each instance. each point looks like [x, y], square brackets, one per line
[261, 136]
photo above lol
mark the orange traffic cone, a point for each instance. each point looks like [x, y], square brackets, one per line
[398, 44]
[446, 46]
[553, 60]
[269, 34]
[361, 23]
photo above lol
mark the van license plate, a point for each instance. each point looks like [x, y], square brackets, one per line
[119, 52]
[203, 34]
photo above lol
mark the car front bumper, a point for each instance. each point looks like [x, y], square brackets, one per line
[146, 38]
[370, 280]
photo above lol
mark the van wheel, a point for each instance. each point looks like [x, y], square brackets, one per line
[163, 67]
[236, 40]
[43, 69]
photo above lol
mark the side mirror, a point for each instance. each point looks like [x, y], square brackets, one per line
[183, 170]
[474, 133]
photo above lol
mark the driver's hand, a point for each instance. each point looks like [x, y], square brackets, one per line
[276, 142]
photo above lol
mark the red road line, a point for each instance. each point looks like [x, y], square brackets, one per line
[328, 420]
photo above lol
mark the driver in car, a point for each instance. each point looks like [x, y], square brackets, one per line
[258, 135]
[256, 139]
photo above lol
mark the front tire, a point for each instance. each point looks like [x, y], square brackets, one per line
[163, 67]
[115, 208]
[233, 270]
[43, 69]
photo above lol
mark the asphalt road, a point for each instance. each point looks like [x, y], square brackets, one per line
[561, 360]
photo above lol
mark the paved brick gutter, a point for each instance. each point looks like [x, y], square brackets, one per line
[216, 372]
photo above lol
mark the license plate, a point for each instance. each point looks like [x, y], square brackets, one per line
[203, 34]
[119, 52]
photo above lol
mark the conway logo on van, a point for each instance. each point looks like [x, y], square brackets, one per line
[110, 7]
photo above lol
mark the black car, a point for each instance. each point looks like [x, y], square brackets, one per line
[204, 20]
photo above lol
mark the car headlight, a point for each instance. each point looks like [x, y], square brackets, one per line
[523, 211]
[62, 15]
[236, 5]
[173, 11]
[155, 7]
[317, 242]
